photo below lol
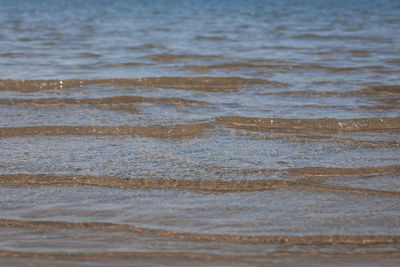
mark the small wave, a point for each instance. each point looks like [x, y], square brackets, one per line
[290, 240]
[328, 82]
[13, 54]
[181, 57]
[334, 172]
[201, 83]
[327, 52]
[261, 129]
[90, 55]
[383, 90]
[349, 142]
[233, 66]
[311, 93]
[374, 91]
[37, 85]
[205, 186]
[352, 52]
[178, 256]
[311, 125]
[101, 65]
[153, 131]
[312, 36]
[26, 39]
[318, 37]
[126, 64]
[387, 96]
[359, 52]
[287, 67]
[115, 100]
[210, 84]
[210, 37]
[145, 46]
[394, 61]
[310, 172]
[281, 47]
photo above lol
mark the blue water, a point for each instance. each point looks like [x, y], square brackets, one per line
[75, 39]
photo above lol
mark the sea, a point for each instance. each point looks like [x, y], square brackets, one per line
[218, 133]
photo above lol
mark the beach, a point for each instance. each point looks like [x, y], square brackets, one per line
[219, 133]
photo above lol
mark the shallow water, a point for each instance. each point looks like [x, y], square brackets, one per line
[220, 133]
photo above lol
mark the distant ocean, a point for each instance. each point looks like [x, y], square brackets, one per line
[199, 132]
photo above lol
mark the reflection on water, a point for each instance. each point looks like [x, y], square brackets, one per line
[200, 132]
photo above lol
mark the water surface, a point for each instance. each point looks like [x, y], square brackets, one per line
[199, 132]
